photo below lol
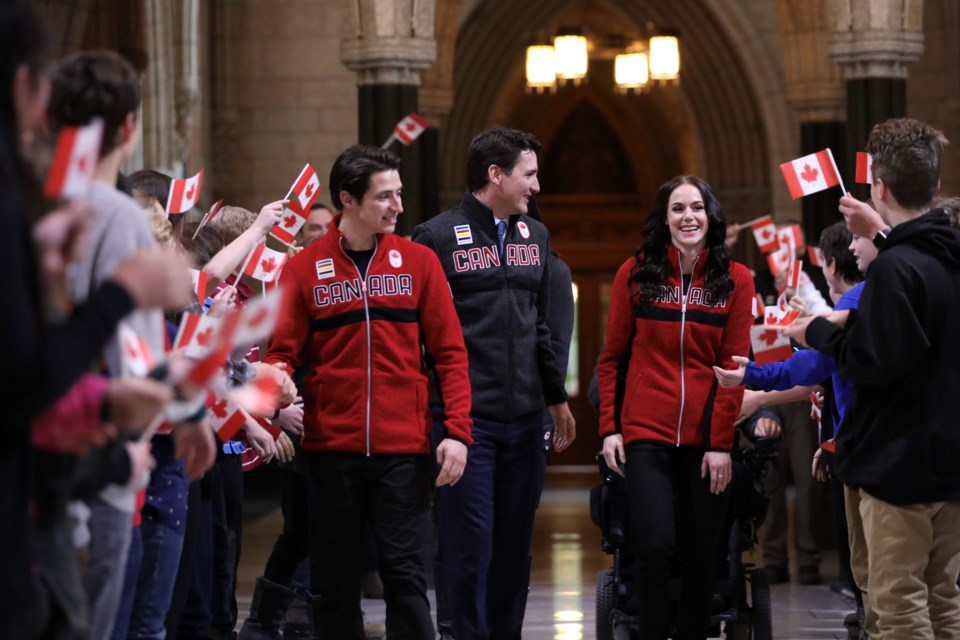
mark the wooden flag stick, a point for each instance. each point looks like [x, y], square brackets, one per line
[836, 170]
[749, 223]
[389, 141]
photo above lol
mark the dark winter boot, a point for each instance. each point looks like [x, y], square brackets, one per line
[296, 624]
[270, 602]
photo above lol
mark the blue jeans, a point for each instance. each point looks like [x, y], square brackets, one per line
[134, 559]
[158, 571]
[486, 523]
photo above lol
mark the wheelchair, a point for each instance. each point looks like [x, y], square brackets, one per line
[742, 617]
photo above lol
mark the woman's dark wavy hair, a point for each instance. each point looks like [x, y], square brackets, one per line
[653, 259]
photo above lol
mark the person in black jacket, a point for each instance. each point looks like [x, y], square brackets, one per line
[898, 451]
[496, 259]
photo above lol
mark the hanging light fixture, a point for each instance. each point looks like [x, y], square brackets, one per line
[570, 48]
[665, 57]
[541, 67]
[630, 71]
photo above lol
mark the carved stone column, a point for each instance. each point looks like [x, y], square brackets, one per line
[388, 43]
[815, 90]
[873, 42]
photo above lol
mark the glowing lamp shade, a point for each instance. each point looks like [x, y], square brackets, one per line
[541, 70]
[664, 57]
[630, 70]
[571, 56]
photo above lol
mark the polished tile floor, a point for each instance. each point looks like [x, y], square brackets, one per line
[567, 557]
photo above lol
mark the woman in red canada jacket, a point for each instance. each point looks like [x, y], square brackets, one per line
[678, 307]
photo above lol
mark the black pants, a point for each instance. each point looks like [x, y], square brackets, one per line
[392, 494]
[672, 510]
[293, 544]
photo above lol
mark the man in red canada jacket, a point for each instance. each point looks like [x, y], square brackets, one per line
[360, 304]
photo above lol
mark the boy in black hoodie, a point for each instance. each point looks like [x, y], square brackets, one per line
[899, 452]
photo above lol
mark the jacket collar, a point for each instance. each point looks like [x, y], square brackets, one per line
[479, 213]
[698, 267]
[338, 241]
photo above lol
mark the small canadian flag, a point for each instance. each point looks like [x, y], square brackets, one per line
[306, 187]
[224, 417]
[264, 263]
[811, 173]
[864, 168]
[758, 307]
[793, 274]
[410, 128]
[135, 356]
[260, 398]
[208, 216]
[198, 334]
[258, 317]
[74, 161]
[199, 279]
[769, 344]
[765, 233]
[184, 194]
[290, 222]
[816, 256]
[781, 314]
[792, 234]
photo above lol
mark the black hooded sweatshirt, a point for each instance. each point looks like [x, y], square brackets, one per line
[900, 440]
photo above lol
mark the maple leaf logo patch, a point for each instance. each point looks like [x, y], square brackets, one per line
[268, 265]
[809, 173]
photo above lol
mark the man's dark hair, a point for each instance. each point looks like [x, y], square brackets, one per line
[152, 183]
[835, 245]
[352, 170]
[496, 146]
[906, 156]
[94, 84]
[318, 205]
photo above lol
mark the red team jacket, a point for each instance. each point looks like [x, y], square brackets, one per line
[671, 394]
[366, 389]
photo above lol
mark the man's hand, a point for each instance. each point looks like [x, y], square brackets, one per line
[452, 458]
[752, 402]
[133, 402]
[717, 466]
[819, 468]
[61, 236]
[564, 426]
[798, 330]
[861, 219]
[194, 442]
[269, 216]
[612, 450]
[732, 377]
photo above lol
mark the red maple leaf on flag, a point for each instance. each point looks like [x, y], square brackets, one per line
[308, 191]
[771, 319]
[268, 265]
[132, 350]
[411, 126]
[82, 164]
[766, 234]
[289, 221]
[203, 338]
[809, 173]
[219, 409]
[769, 337]
[260, 317]
[193, 190]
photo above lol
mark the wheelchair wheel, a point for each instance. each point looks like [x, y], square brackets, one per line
[606, 598]
[762, 619]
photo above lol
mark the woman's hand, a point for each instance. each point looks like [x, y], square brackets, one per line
[732, 377]
[717, 466]
[285, 450]
[612, 448]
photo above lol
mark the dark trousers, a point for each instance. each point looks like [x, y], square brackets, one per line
[293, 544]
[390, 493]
[672, 512]
[485, 523]
[227, 536]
